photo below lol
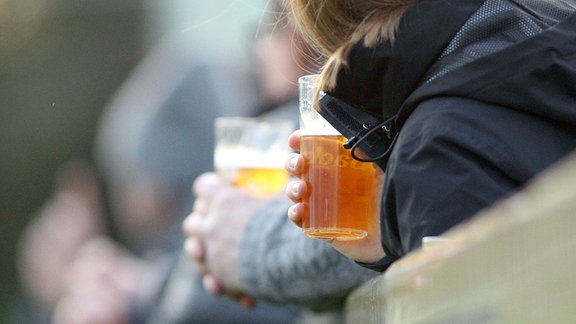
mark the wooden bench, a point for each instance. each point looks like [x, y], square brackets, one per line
[513, 263]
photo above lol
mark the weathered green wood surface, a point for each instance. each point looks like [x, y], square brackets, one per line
[513, 263]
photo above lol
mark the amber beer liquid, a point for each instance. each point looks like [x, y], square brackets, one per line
[250, 153]
[259, 182]
[344, 194]
[258, 174]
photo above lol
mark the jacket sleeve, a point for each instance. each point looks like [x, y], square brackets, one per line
[443, 170]
[455, 157]
[279, 264]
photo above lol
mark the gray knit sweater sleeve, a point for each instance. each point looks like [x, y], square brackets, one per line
[279, 264]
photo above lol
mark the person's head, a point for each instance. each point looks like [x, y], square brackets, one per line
[334, 26]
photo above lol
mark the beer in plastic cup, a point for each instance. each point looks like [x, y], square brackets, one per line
[343, 198]
[250, 153]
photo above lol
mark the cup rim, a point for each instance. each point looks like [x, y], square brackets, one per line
[240, 120]
[308, 79]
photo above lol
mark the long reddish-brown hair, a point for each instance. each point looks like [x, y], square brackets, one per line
[332, 27]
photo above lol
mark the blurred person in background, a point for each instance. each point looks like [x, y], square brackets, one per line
[72, 263]
[60, 61]
[72, 216]
[153, 140]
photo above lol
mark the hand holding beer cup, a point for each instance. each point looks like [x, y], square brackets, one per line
[337, 197]
[249, 162]
[215, 230]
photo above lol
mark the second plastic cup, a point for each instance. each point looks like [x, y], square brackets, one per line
[250, 153]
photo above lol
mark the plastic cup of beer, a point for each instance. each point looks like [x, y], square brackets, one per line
[250, 153]
[343, 198]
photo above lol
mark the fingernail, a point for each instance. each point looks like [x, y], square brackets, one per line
[293, 162]
[295, 188]
[211, 285]
[193, 248]
[292, 212]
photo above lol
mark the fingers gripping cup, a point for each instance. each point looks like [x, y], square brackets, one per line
[343, 199]
[250, 153]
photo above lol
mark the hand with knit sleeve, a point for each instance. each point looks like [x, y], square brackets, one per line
[247, 248]
[281, 265]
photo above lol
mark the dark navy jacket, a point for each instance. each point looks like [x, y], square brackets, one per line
[473, 100]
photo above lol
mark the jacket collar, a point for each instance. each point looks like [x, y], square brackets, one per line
[378, 80]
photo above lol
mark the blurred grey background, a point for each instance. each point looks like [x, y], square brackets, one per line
[60, 63]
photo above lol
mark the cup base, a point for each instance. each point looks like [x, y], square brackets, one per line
[339, 234]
